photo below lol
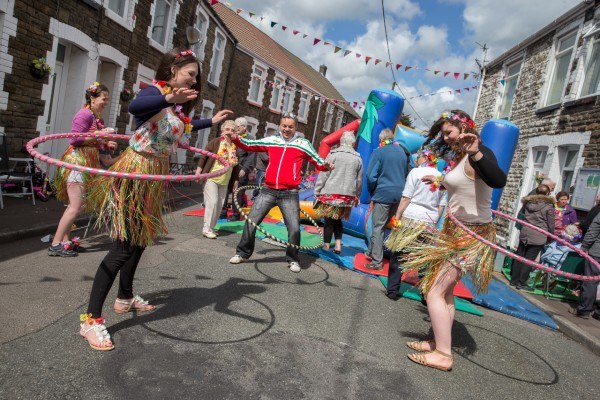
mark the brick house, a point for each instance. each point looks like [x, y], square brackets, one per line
[119, 43]
[267, 80]
[549, 86]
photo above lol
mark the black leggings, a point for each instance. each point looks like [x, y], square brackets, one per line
[123, 257]
[333, 227]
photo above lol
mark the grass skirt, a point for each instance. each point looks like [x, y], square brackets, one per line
[453, 246]
[132, 210]
[87, 156]
[408, 233]
[333, 212]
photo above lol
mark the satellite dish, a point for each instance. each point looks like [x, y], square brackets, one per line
[193, 35]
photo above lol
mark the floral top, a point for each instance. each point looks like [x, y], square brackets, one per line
[227, 151]
[159, 138]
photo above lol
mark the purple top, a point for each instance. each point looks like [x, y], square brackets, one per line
[149, 101]
[83, 121]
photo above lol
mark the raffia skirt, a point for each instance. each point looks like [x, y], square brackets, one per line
[453, 247]
[87, 156]
[132, 210]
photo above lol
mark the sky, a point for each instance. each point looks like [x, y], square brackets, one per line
[435, 34]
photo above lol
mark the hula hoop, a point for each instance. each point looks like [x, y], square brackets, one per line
[529, 262]
[267, 234]
[116, 174]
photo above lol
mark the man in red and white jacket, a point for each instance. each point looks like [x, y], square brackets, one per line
[283, 176]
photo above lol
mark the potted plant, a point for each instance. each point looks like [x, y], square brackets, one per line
[39, 68]
[126, 95]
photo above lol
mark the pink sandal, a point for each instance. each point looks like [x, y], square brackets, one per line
[135, 304]
[94, 331]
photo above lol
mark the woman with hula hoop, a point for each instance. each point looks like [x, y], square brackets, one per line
[72, 187]
[132, 209]
[447, 256]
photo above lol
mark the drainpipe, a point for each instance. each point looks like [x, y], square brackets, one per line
[479, 92]
[316, 121]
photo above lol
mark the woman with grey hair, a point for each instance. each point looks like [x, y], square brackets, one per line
[337, 191]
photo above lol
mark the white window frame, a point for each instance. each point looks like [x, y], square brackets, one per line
[252, 126]
[592, 40]
[8, 28]
[563, 152]
[127, 20]
[304, 99]
[200, 46]
[171, 25]
[208, 108]
[146, 75]
[278, 84]
[259, 80]
[328, 117]
[270, 125]
[508, 80]
[292, 97]
[216, 61]
[567, 33]
[339, 118]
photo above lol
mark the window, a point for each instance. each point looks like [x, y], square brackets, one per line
[117, 6]
[288, 100]
[276, 94]
[591, 83]
[510, 89]
[161, 22]
[562, 60]
[568, 158]
[252, 126]
[202, 25]
[338, 120]
[539, 155]
[271, 129]
[303, 107]
[328, 117]
[207, 112]
[256, 91]
[216, 63]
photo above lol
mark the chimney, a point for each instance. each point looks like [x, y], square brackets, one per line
[323, 69]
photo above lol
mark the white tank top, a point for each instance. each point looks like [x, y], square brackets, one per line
[470, 200]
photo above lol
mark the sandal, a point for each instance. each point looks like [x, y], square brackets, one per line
[419, 345]
[94, 331]
[421, 358]
[136, 304]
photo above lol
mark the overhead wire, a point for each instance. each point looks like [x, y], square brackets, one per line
[387, 42]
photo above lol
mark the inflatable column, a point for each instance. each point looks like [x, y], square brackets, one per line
[501, 136]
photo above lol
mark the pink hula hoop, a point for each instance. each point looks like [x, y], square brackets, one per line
[529, 262]
[115, 174]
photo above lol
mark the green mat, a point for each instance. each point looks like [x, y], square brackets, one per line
[411, 292]
[535, 276]
[279, 231]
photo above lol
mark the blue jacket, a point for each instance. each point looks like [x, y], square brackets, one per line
[386, 174]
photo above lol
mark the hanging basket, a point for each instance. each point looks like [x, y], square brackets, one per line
[37, 73]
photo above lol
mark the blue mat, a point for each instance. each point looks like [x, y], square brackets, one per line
[505, 300]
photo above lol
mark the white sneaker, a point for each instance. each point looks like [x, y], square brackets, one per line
[210, 235]
[294, 266]
[237, 259]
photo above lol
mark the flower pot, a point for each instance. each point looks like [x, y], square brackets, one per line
[37, 73]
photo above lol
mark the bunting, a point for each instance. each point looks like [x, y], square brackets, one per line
[337, 49]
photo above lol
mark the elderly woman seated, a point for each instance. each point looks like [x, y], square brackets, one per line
[555, 253]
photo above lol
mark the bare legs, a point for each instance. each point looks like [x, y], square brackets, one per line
[76, 193]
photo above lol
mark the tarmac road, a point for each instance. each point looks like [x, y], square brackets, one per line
[257, 331]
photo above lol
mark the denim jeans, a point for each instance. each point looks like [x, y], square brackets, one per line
[288, 203]
[260, 178]
[380, 217]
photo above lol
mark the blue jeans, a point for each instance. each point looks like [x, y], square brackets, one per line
[260, 178]
[289, 204]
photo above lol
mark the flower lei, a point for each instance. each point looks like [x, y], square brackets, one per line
[465, 120]
[559, 208]
[228, 152]
[395, 222]
[386, 142]
[432, 161]
[178, 108]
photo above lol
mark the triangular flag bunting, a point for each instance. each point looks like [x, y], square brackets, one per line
[476, 76]
[398, 66]
[377, 61]
[456, 75]
[213, 2]
[358, 55]
[337, 49]
[251, 14]
[467, 89]
[367, 59]
[316, 41]
[466, 76]
[283, 27]
[407, 68]
[346, 52]
[239, 10]
[296, 32]
[446, 74]
[261, 18]
[387, 64]
[304, 36]
[436, 72]
[326, 43]
[228, 3]
[354, 104]
[273, 23]
[458, 91]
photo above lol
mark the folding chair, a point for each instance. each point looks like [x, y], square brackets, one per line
[9, 172]
[569, 262]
